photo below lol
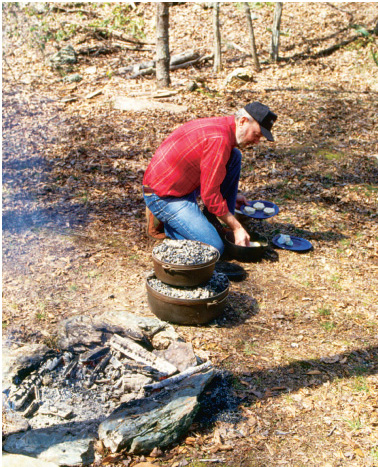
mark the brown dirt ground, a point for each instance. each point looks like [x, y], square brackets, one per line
[299, 338]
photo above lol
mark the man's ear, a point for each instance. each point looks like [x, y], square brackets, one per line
[243, 120]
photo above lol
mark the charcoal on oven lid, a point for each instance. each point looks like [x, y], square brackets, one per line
[216, 285]
[185, 252]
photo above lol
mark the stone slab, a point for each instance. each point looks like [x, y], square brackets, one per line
[16, 460]
[157, 420]
[16, 362]
[125, 323]
[58, 444]
[179, 354]
[144, 105]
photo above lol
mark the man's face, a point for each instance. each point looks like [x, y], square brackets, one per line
[247, 132]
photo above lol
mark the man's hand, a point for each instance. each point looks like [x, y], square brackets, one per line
[240, 201]
[241, 237]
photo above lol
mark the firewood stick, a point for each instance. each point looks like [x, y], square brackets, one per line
[177, 378]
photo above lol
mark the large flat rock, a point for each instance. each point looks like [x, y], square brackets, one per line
[156, 420]
[159, 333]
[59, 445]
[18, 362]
[16, 460]
[144, 105]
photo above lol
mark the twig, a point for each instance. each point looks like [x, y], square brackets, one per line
[216, 461]
[177, 378]
[331, 432]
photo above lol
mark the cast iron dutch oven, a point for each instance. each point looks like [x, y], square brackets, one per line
[182, 275]
[244, 253]
[185, 311]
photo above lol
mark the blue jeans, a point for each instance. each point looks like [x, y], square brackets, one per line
[182, 217]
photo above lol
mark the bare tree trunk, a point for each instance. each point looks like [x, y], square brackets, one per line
[162, 45]
[276, 31]
[247, 12]
[217, 39]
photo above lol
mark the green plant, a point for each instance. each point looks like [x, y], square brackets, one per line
[84, 198]
[360, 384]
[375, 56]
[236, 384]
[324, 311]
[330, 156]
[355, 424]
[335, 278]
[328, 325]
[363, 31]
[360, 370]
[249, 349]
[120, 20]
[374, 452]
[93, 274]
[73, 287]
[345, 242]
[289, 193]
[303, 364]
[40, 315]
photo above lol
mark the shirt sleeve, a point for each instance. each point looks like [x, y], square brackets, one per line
[216, 154]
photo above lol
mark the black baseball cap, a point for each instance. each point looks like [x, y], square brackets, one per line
[264, 116]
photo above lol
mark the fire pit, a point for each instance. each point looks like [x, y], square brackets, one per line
[71, 396]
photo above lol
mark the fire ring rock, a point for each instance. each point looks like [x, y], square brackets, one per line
[156, 420]
[65, 57]
[55, 444]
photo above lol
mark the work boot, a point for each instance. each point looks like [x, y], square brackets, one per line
[155, 228]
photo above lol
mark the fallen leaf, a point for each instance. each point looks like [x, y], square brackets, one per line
[156, 452]
[217, 437]
[144, 464]
[111, 458]
[359, 452]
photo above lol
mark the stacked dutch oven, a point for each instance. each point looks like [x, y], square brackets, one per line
[185, 288]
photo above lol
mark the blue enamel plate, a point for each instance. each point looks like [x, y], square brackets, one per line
[299, 244]
[261, 214]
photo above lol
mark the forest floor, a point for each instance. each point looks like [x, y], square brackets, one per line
[299, 335]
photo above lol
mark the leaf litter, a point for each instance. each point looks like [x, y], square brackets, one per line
[297, 347]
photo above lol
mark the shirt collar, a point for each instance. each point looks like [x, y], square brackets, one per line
[232, 124]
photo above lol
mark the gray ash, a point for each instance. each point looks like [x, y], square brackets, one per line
[185, 252]
[216, 285]
[78, 386]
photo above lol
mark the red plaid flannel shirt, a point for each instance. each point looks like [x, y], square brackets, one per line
[194, 155]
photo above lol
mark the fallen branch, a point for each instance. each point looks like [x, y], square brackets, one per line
[152, 70]
[154, 95]
[60, 9]
[97, 50]
[120, 36]
[147, 71]
[325, 52]
[185, 65]
[182, 60]
[177, 378]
